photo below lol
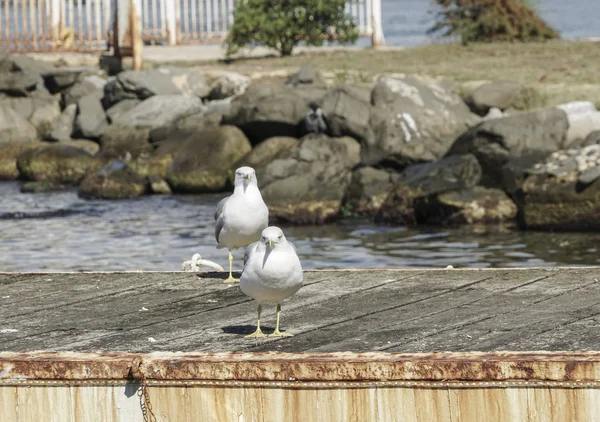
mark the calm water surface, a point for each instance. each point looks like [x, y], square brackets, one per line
[60, 232]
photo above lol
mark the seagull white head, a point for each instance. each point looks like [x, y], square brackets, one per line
[272, 237]
[245, 176]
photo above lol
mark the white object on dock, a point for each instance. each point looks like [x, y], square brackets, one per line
[195, 263]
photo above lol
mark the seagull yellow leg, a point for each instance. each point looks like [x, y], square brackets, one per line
[230, 279]
[278, 333]
[258, 332]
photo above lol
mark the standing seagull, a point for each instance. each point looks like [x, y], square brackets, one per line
[242, 216]
[272, 273]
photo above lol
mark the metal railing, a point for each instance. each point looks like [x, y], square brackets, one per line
[87, 25]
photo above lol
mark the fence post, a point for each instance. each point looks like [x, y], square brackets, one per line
[171, 17]
[377, 38]
[127, 28]
[56, 21]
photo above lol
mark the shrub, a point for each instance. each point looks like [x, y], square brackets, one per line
[491, 20]
[282, 24]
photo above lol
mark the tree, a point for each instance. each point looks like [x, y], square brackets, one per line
[491, 20]
[282, 24]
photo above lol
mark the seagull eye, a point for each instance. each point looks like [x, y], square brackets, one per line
[280, 236]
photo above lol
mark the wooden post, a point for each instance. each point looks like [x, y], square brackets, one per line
[377, 38]
[128, 31]
[171, 24]
[56, 21]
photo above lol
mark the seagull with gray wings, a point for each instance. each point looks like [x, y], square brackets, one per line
[241, 217]
[272, 273]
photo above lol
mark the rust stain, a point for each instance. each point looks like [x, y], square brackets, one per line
[274, 366]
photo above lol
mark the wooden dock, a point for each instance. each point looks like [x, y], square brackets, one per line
[377, 345]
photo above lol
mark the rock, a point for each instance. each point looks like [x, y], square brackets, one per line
[57, 163]
[347, 111]
[477, 205]
[42, 187]
[116, 180]
[496, 142]
[88, 146]
[265, 111]
[588, 176]
[367, 191]
[40, 111]
[120, 108]
[18, 84]
[91, 120]
[184, 126]
[121, 140]
[494, 113]
[58, 80]
[583, 119]
[267, 151]
[158, 185]
[229, 84]
[62, 127]
[412, 122]
[161, 110]
[87, 85]
[201, 163]
[421, 182]
[8, 157]
[516, 170]
[145, 84]
[306, 75]
[592, 139]
[14, 128]
[153, 166]
[497, 94]
[20, 75]
[308, 186]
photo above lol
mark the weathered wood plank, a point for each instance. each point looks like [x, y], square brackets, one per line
[404, 310]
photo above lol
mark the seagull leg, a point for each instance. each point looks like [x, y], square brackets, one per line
[278, 333]
[258, 332]
[230, 279]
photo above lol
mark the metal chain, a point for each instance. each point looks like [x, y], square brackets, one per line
[145, 403]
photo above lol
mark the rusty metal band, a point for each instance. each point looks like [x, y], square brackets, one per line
[307, 385]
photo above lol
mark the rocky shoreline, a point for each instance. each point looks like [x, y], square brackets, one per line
[403, 150]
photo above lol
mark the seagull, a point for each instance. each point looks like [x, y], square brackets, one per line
[314, 122]
[272, 273]
[241, 217]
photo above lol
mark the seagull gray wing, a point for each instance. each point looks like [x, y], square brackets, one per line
[219, 217]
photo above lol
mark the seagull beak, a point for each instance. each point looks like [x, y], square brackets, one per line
[271, 243]
[248, 176]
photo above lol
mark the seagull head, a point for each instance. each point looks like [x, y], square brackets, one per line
[272, 237]
[245, 176]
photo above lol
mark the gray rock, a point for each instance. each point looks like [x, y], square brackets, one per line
[43, 186]
[163, 81]
[367, 191]
[229, 84]
[267, 151]
[496, 142]
[57, 80]
[116, 180]
[477, 205]
[57, 163]
[88, 146]
[120, 108]
[265, 111]
[306, 75]
[161, 110]
[88, 85]
[202, 161]
[498, 94]
[308, 186]
[589, 175]
[183, 127]
[40, 111]
[90, 122]
[158, 185]
[412, 122]
[18, 84]
[14, 128]
[121, 140]
[583, 119]
[62, 128]
[347, 111]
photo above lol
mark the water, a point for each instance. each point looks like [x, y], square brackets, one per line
[61, 232]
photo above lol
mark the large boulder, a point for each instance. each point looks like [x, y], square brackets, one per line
[368, 190]
[227, 85]
[120, 108]
[495, 142]
[501, 95]
[412, 122]
[40, 110]
[90, 122]
[116, 180]
[20, 75]
[56, 163]
[347, 111]
[60, 79]
[147, 83]
[269, 110]
[62, 128]
[267, 151]
[562, 192]
[305, 76]
[8, 157]
[308, 186]
[583, 118]
[87, 85]
[419, 183]
[201, 162]
[15, 128]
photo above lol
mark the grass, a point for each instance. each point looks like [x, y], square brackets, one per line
[560, 71]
